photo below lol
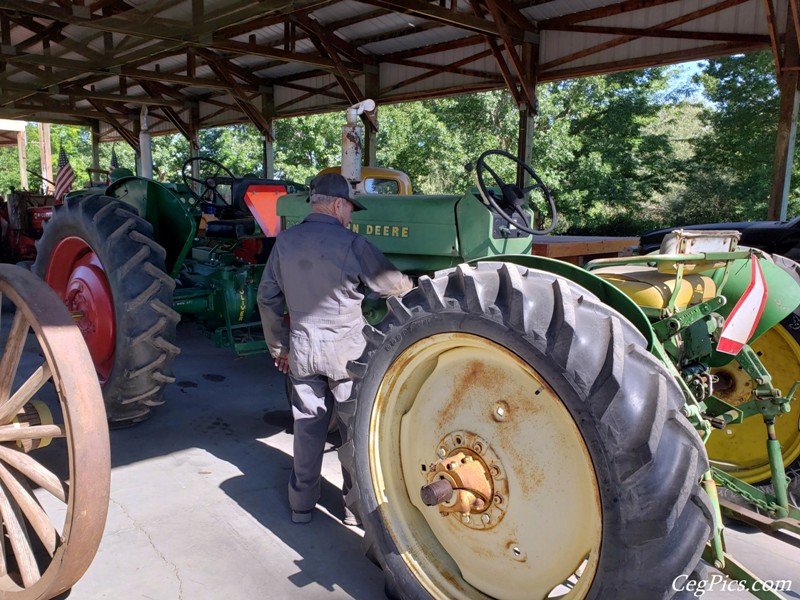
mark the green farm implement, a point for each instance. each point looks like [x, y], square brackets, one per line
[520, 427]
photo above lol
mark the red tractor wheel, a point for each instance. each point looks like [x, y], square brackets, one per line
[102, 261]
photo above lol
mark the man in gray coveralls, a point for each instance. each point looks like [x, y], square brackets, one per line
[319, 269]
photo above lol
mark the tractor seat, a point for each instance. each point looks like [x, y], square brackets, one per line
[231, 229]
[650, 288]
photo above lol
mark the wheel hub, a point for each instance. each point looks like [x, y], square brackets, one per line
[478, 489]
[78, 276]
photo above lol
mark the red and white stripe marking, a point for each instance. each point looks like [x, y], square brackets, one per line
[744, 317]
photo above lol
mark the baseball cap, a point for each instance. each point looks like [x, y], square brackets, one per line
[333, 184]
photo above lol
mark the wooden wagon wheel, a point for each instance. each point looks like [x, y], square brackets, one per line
[54, 446]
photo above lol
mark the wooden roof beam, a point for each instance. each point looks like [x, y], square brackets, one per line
[524, 78]
[322, 40]
[773, 34]
[112, 120]
[433, 12]
[602, 12]
[511, 84]
[472, 40]
[703, 12]
[324, 90]
[512, 12]
[663, 33]
[219, 66]
[276, 17]
[725, 49]
[422, 76]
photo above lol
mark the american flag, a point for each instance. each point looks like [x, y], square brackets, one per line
[64, 176]
[113, 165]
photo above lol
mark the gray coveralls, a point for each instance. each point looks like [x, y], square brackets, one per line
[318, 269]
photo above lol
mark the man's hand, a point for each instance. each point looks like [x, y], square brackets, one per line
[282, 364]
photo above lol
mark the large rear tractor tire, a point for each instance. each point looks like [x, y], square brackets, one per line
[575, 474]
[100, 258]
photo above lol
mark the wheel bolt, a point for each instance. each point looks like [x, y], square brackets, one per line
[441, 452]
[485, 518]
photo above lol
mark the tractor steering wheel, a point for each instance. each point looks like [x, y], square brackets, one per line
[514, 198]
[209, 170]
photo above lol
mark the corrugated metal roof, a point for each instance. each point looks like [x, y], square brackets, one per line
[310, 55]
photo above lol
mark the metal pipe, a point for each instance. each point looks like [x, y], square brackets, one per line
[352, 146]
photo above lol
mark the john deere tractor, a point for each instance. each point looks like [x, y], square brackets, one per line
[520, 427]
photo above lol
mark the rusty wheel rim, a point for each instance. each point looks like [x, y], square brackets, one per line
[539, 535]
[741, 449]
[53, 496]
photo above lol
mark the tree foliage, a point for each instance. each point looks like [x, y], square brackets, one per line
[621, 153]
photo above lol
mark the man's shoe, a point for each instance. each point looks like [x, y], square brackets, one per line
[301, 516]
[350, 518]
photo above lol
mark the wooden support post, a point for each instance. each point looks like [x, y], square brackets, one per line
[524, 143]
[22, 142]
[527, 113]
[268, 159]
[136, 149]
[194, 143]
[96, 145]
[787, 125]
[46, 157]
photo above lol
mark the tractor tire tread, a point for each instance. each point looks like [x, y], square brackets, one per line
[142, 296]
[654, 513]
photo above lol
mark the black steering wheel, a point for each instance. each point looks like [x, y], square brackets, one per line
[514, 198]
[209, 170]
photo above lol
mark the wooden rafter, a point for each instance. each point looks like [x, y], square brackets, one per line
[112, 120]
[524, 78]
[172, 113]
[725, 49]
[603, 12]
[431, 73]
[220, 67]
[433, 12]
[496, 51]
[697, 14]
[322, 40]
[310, 94]
[795, 8]
[664, 33]
[773, 34]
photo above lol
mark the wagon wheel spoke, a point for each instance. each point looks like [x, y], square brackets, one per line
[34, 471]
[54, 459]
[11, 406]
[12, 354]
[30, 507]
[18, 536]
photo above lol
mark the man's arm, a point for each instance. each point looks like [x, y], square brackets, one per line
[378, 273]
[271, 304]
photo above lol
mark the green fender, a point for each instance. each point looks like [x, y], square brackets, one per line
[174, 227]
[783, 297]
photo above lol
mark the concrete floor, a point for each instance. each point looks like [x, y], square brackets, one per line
[198, 501]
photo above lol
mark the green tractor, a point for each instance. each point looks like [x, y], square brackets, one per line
[127, 263]
[520, 427]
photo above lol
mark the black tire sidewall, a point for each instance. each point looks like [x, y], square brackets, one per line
[74, 220]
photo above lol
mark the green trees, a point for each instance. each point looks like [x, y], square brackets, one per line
[729, 176]
[622, 153]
